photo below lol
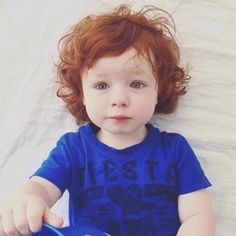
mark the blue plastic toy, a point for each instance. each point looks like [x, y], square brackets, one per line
[48, 230]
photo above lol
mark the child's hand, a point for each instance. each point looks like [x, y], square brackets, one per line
[25, 215]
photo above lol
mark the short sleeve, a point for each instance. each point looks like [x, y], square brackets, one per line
[56, 168]
[190, 175]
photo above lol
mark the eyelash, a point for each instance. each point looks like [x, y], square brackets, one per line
[133, 84]
[99, 86]
[139, 83]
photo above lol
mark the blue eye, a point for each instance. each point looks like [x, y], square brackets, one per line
[102, 86]
[137, 85]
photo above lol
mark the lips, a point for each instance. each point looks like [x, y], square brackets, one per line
[120, 118]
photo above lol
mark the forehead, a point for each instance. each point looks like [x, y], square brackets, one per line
[129, 62]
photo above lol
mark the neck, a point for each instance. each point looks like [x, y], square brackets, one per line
[121, 141]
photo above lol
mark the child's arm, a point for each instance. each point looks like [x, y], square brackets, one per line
[196, 214]
[29, 208]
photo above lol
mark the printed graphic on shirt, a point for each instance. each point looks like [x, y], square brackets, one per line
[128, 170]
[135, 208]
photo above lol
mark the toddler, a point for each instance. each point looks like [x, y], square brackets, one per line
[123, 175]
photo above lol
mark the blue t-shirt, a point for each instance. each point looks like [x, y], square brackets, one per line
[130, 192]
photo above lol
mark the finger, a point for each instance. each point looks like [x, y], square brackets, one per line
[20, 220]
[34, 215]
[8, 223]
[52, 219]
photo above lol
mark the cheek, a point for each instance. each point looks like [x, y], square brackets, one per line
[92, 111]
[151, 102]
[88, 99]
[93, 105]
[147, 105]
[93, 101]
[151, 98]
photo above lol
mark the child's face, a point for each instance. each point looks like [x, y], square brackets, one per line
[120, 93]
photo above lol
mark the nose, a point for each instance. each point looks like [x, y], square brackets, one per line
[119, 98]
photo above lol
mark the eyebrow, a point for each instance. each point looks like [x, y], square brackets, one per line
[132, 70]
[102, 75]
[136, 71]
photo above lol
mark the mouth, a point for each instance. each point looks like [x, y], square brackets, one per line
[120, 118]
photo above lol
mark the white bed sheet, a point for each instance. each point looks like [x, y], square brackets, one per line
[32, 118]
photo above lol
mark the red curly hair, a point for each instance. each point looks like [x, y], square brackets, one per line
[149, 31]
